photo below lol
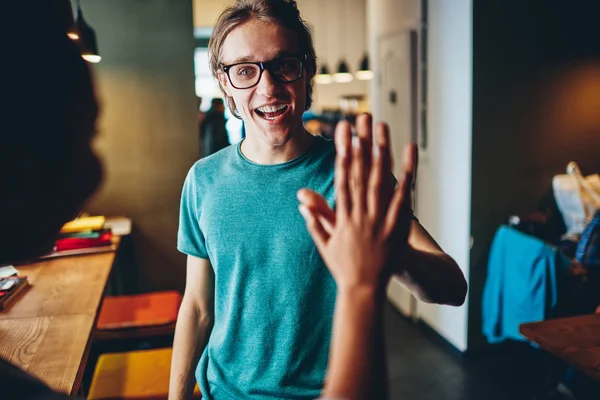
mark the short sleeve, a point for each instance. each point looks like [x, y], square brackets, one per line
[190, 239]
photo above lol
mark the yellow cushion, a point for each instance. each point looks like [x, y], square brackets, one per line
[133, 375]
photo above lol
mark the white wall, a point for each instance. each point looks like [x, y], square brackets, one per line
[444, 176]
[383, 18]
[328, 20]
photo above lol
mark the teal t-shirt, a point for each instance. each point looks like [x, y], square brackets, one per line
[274, 297]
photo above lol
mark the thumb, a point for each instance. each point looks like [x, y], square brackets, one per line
[314, 227]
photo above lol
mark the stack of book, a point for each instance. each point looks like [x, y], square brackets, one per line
[84, 235]
[10, 288]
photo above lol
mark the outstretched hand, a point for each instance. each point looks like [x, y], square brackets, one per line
[371, 215]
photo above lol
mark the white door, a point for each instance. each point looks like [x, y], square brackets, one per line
[395, 62]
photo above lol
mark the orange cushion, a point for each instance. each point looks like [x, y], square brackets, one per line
[149, 309]
[133, 375]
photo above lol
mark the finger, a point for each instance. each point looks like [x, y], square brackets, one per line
[342, 164]
[400, 207]
[415, 163]
[383, 148]
[315, 229]
[410, 161]
[382, 140]
[317, 204]
[375, 196]
[357, 171]
[415, 168]
[319, 207]
[327, 224]
[364, 131]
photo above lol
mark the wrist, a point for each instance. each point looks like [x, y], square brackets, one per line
[363, 294]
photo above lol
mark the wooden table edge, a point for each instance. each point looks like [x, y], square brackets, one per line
[73, 388]
[529, 332]
[88, 346]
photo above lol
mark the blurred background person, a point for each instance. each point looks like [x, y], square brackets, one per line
[201, 118]
[213, 134]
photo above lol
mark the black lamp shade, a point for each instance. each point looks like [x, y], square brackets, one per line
[324, 70]
[323, 77]
[364, 73]
[364, 64]
[343, 68]
[88, 45]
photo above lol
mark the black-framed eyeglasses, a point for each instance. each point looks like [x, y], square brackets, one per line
[245, 75]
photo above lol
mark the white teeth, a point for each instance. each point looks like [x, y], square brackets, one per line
[271, 109]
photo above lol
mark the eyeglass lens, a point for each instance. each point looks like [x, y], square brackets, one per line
[282, 69]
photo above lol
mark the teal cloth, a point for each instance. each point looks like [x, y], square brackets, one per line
[274, 297]
[521, 284]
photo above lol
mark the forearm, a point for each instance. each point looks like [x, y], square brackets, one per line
[357, 368]
[433, 276]
[191, 334]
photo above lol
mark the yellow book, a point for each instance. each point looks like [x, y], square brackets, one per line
[83, 224]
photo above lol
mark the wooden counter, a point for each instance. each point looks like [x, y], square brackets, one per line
[575, 340]
[47, 330]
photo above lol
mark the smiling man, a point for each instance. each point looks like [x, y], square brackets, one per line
[256, 317]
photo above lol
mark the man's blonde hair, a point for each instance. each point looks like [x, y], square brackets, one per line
[282, 12]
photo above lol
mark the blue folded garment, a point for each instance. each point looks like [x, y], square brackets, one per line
[521, 284]
[588, 249]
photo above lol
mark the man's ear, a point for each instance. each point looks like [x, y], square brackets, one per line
[224, 83]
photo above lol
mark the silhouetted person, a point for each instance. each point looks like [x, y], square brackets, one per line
[47, 166]
[213, 134]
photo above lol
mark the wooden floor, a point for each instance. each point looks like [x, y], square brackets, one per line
[422, 368]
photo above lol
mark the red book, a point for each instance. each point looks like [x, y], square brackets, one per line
[82, 243]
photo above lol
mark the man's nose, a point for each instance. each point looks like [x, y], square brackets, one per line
[268, 86]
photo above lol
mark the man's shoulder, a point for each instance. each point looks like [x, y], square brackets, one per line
[326, 144]
[208, 168]
[325, 149]
[216, 160]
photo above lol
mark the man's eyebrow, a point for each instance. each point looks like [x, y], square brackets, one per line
[280, 53]
[240, 59]
[284, 53]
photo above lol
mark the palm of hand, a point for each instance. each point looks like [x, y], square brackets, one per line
[357, 253]
[371, 220]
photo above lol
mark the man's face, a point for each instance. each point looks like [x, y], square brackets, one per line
[259, 41]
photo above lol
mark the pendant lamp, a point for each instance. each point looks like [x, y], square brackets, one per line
[85, 37]
[364, 72]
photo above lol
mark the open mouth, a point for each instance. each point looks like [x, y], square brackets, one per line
[271, 113]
